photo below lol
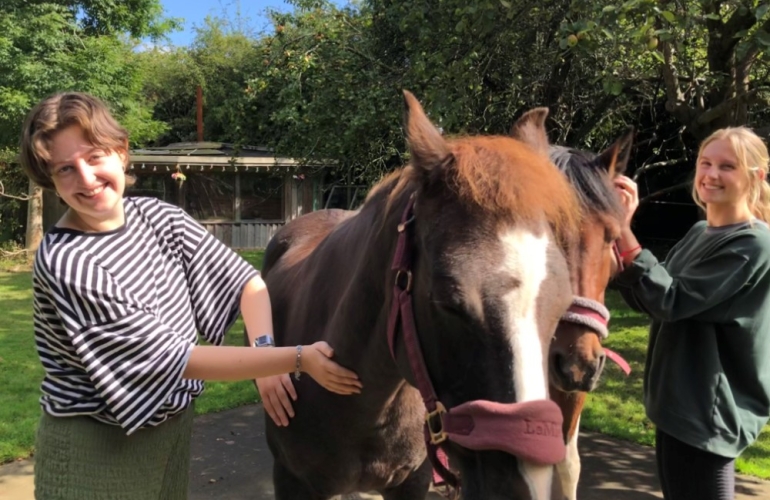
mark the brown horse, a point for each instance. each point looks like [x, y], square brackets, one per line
[472, 233]
[577, 357]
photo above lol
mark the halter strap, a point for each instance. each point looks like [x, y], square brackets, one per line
[529, 430]
[594, 315]
[590, 313]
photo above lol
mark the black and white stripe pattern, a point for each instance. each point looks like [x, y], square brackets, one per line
[117, 313]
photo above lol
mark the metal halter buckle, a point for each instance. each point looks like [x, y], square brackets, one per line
[400, 275]
[437, 433]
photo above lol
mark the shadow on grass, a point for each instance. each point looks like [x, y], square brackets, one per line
[15, 282]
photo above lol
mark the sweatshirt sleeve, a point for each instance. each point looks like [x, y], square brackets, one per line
[699, 290]
[134, 361]
[216, 276]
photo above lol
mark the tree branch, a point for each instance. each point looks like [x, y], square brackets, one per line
[661, 192]
[6, 253]
[722, 108]
[654, 166]
[3, 193]
[675, 103]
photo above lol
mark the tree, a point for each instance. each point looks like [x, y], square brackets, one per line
[475, 67]
[322, 92]
[707, 54]
[47, 47]
[220, 60]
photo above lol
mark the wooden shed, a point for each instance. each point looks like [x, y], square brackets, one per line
[241, 195]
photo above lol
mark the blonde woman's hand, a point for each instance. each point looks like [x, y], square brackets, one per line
[316, 362]
[629, 196]
[277, 393]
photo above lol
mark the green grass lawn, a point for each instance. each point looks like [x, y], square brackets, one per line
[615, 408]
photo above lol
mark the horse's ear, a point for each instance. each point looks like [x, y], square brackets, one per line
[427, 147]
[530, 129]
[614, 159]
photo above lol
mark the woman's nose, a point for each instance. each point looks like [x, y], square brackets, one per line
[85, 172]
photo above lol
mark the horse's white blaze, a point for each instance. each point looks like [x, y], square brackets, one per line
[526, 257]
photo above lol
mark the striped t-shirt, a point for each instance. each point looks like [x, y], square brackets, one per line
[116, 314]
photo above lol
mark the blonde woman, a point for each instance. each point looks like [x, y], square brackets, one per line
[707, 375]
[122, 288]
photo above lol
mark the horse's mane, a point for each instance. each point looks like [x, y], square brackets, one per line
[501, 176]
[589, 179]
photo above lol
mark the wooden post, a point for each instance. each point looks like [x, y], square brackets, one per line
[237, 196]
[199, 103]
[34, 219]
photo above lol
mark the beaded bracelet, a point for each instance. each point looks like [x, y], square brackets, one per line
[629, 252]
[298, 366]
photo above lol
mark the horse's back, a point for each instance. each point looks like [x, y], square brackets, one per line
[299, 237]
[295, 271]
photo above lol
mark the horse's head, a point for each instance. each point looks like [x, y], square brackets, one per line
[577, 357]
[489, 281]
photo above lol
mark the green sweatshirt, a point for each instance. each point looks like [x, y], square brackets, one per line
[707, 374]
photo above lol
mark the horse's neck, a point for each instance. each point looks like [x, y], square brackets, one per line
[367, 242]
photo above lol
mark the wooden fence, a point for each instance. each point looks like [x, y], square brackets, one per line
[243, 234]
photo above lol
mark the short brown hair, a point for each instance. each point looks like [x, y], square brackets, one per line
[57, 113]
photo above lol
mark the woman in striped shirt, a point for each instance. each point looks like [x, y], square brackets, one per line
[122, 288]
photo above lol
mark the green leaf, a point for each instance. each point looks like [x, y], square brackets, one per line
[762, 10]
[713, 17]
[763, 37]
[505, 4]
[668, 16]
[608, 8]
[657, 55]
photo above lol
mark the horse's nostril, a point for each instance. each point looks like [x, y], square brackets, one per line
[556, 360]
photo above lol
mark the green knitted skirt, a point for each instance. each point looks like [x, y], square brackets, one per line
[84, 459]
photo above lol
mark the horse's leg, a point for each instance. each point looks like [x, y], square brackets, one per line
[289, 487]
[415, 487]
[569, 469]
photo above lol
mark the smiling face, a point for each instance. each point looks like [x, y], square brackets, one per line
[90, 179]
[719, 178]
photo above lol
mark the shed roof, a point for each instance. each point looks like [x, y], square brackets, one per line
[210, 154]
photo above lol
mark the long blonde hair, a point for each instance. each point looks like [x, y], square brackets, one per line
[752, 155]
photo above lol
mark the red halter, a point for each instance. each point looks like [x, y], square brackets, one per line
[593, 314]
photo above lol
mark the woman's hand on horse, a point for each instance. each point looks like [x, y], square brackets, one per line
[275, 392]
[316, 362]
[629, 196]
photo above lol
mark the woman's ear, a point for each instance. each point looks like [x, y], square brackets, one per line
[123, 153]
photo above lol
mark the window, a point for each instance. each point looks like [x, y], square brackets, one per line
[210, 195]
[155, 186]
[261, 197]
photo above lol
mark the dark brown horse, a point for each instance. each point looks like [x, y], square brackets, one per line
[577, 357]
[477, 226]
